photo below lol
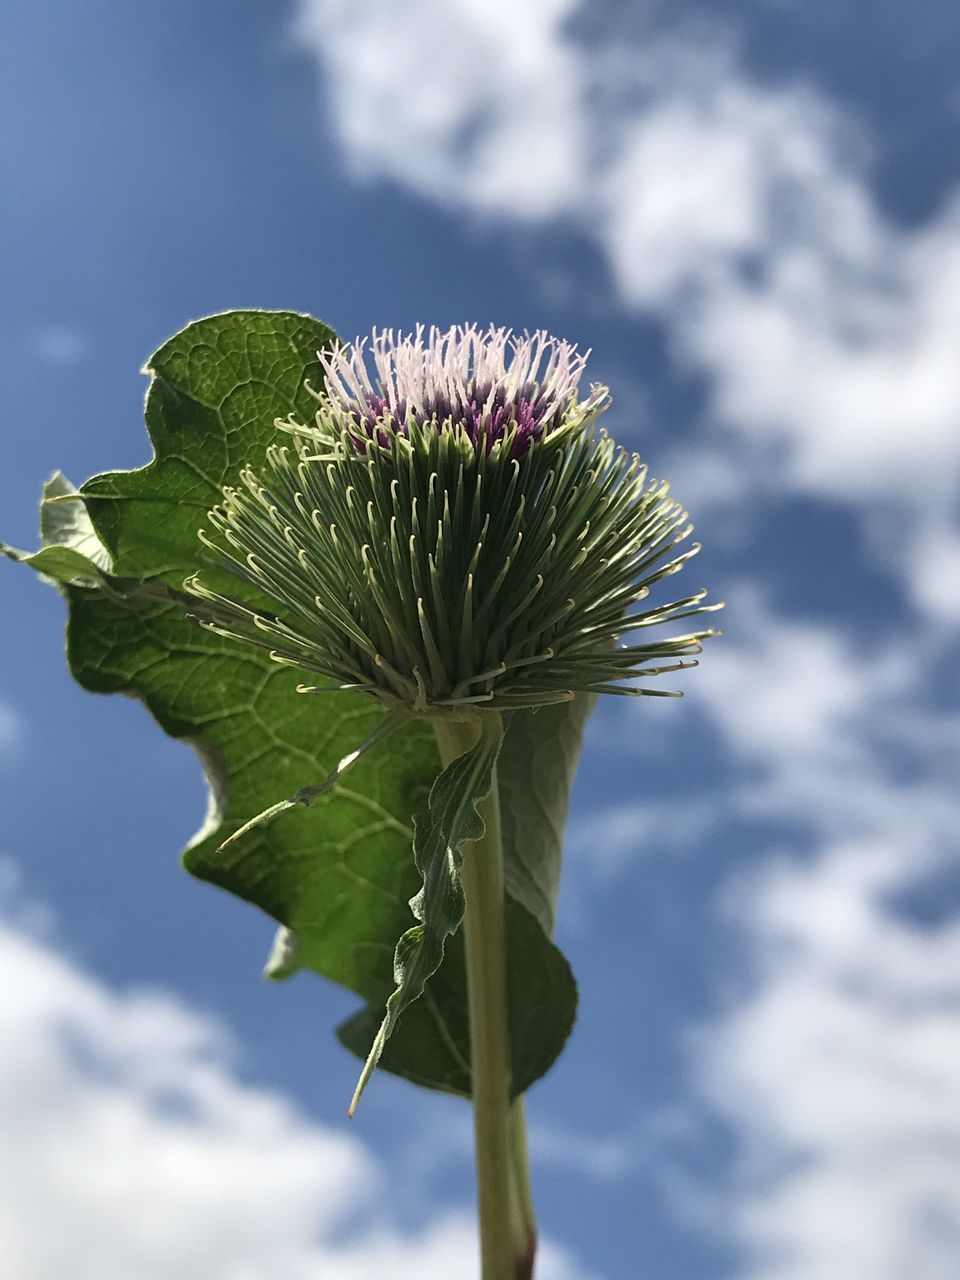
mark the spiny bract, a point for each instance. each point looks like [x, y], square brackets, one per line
[454, 530]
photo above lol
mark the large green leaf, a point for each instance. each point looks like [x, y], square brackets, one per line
[338, 876]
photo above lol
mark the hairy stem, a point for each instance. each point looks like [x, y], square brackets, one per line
[507, 1231]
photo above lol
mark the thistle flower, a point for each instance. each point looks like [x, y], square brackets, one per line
[451, 536]
[460, 380]
[453, 530]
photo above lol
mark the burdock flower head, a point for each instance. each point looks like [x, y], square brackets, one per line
[453, 537]
[453, 531]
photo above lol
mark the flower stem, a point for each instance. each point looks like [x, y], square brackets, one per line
[524, 1214]
[505, 1212]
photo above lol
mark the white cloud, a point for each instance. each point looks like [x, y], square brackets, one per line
[840, 735]
[476, 103]
[11, 728]
[934, 570]
[797, 705]
[606, 840]
[828, 333]
[606, 1159]
[837, 1063]
[839, 1073]
[739, 212]
[788, 693]
[58, 344]
[132, 1151]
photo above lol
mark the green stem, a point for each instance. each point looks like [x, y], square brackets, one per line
[525, 1218]
[507, 1232]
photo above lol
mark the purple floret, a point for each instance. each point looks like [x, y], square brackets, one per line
[484, 384]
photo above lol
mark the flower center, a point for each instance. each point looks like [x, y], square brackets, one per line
[486, 385]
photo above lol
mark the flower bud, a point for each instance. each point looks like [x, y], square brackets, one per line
[453, 530]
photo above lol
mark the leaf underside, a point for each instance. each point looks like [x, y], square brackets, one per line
[338, 876]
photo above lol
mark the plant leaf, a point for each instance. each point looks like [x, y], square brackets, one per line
[64, 522]
[538, 762]
[336, 876]
[70, 549]
[451, 820]
[431, 1046]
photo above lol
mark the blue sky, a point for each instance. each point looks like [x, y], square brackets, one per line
[751, 212]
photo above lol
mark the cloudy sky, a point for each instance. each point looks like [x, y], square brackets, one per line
[750, 211]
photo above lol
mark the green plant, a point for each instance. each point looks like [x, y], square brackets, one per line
[452, 553]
